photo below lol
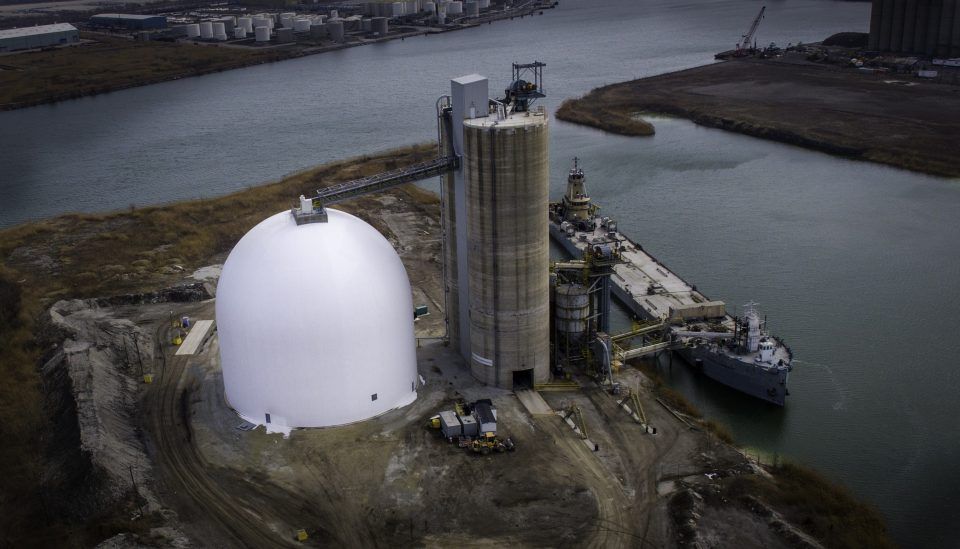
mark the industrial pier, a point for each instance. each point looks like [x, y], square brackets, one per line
[735, 351]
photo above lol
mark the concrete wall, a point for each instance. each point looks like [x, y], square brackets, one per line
[507, 175]
[917, 27]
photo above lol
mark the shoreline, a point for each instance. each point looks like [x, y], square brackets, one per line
[257, 57]
[888, 119]
[126, 252]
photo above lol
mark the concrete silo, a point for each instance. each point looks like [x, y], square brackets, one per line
[497, 244]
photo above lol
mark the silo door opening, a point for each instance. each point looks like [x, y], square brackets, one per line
[523, 379]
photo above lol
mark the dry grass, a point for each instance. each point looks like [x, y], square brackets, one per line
[76, 256]
[840, 112]
[822, 508]
[604, 116]
[111, 64]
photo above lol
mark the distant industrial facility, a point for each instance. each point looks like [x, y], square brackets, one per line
[128, 21]
[41, 36]
[921, 27]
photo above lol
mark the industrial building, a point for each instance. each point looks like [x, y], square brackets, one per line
[315, 320]
[38, 37]
[128, 21]
[496, 243]
[921, 27]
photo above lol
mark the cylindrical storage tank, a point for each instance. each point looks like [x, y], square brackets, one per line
[441, 18]
[301, 25]
[259, 22]
[896, 31]
[367, 25]
[284, 36]
[471, 9]
[920, 27]
[909, 18]
[572, 309]
[455, 7]
[507, 183]
[239, 33]
[946, 28]
[484, 4]
[335, 30]
[245, 23]
[318, 31]
[219, 32]
[315, 324]
[206, 30]
[430, 7]
[193, 30]
[262, 34]
[286, 22]
[229, 22]
[379, 25]
[886, 24]
[933, 27]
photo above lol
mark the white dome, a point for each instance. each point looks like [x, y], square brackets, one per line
[315, 324]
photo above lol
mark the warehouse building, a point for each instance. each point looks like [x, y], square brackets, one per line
[128, 21]
[38, 37]
[921, 27]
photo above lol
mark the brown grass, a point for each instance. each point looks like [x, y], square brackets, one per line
[84, 255]
[607, 117]
[824, 509]
[112, 64]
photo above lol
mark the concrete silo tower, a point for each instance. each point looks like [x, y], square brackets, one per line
[495, 213]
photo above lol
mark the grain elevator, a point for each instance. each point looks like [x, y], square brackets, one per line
[496, 255]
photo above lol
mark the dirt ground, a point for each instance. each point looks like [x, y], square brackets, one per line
[891, 119]
[391, 481]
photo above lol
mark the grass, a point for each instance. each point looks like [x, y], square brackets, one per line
[88, 255]
[607, 117]
[822, 508]
[110, 64]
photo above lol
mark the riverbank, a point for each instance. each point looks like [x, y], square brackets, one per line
[105, 63]
[703, 487]
[893, 120]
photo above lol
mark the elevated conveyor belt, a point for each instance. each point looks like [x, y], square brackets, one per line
[365, 185]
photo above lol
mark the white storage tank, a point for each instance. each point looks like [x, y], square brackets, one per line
[219, 31]
[315, 324]
[455, 7]
[484, 4]
[245, 23]
[239, 33]
[206, 30]
[193, 30]
[430, 7]
[262, 34]
[301, 25]
[335, 30]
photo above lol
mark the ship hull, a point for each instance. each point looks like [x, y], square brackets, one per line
[769, 385]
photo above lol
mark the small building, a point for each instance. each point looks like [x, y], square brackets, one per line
[40, 36]
[486, 416]
[128, 21]
[449, 424]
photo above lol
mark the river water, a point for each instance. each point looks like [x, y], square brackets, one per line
[855, 264]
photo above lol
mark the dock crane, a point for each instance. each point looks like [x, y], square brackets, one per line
[744, 45]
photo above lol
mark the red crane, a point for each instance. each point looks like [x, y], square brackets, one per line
[744, 44]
